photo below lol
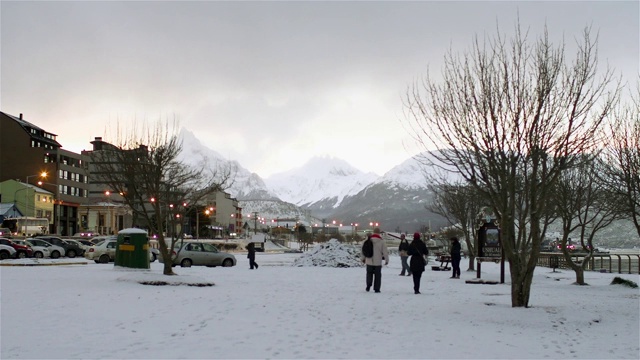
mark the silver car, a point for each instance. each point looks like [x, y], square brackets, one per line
[196, 253]
[55, 251]
[39, 251]
[102, 252]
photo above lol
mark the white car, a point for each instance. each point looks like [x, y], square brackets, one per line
[55, 251]
[7, 252]
[102, 252]
[39, 251]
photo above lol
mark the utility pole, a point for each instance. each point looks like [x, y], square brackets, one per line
[255, 222]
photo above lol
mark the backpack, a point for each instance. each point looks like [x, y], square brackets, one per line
[367, 248]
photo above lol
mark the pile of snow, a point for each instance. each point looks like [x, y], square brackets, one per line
[331, 254]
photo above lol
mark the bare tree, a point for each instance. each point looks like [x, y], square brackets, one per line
[509, 116]
[459, 204]
[143, 167]
[584, 205]
[622, 155]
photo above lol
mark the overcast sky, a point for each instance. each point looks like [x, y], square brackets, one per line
[269, 84]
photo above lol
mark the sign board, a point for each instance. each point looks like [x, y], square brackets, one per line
[489, 241]
[492, 247]
[258, 238]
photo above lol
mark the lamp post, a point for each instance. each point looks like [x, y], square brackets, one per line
[42, 175]
[15, 198]
[15, 194]
[56, 209]
[107, 215]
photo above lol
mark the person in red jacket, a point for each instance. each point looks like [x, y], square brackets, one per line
[374, 263]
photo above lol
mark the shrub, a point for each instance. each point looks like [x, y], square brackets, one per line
[618, 280]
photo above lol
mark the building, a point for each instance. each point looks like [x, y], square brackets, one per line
[29, 200]
[227, 215]
[105, 217]
[105, 212]
[34, 154]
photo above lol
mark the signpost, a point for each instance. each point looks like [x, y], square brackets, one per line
[490, 246]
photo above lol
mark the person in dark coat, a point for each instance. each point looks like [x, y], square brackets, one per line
[455, 257]
[403, 251]
[418, 251]
[252, 256]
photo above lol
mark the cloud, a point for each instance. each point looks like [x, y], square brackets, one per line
[269, 84]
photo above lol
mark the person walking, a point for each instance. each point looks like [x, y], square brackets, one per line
[403, 250]
[374, 263]
[252, 256]
[418, 251]
[455, 257]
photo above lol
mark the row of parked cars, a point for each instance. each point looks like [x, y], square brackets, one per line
[41, 247]
[102, 249]
[185, 254]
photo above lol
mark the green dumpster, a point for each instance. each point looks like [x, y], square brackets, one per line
[132, 249]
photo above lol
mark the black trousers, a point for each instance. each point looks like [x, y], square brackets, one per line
[455, 264]
[252, 262]
[374, 277]
[417, 276]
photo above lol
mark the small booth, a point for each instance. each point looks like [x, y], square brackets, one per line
[132, 249]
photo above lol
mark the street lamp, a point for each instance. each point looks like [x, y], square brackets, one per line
[42, 175]
[56, 201]
[26, 196]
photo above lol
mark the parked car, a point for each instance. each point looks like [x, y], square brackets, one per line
[22, 251]
[80, 244]
[97, 239]
[86, 242]
[71, 250]
[196, 253]
[7, 252]
[5, 232]
[38, 251]
[102, 252]
[85, 235]
[55, 251]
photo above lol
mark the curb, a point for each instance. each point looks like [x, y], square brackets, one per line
[51, 264]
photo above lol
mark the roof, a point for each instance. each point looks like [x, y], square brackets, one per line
[27, 125]
[9, 210]
[37, 189]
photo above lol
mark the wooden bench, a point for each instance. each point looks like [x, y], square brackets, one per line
[444, 263]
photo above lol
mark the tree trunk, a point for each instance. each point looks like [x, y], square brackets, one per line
[168, 268]
[580, 276]
[521, 279]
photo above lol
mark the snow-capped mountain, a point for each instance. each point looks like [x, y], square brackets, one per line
[321, 179]
[397, 201]
[326, 187]
[246, 185]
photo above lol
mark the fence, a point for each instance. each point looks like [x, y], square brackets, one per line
[621, 263]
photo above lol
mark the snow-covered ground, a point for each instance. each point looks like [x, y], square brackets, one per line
[284, 311]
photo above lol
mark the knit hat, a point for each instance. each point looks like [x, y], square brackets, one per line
[416, 235]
